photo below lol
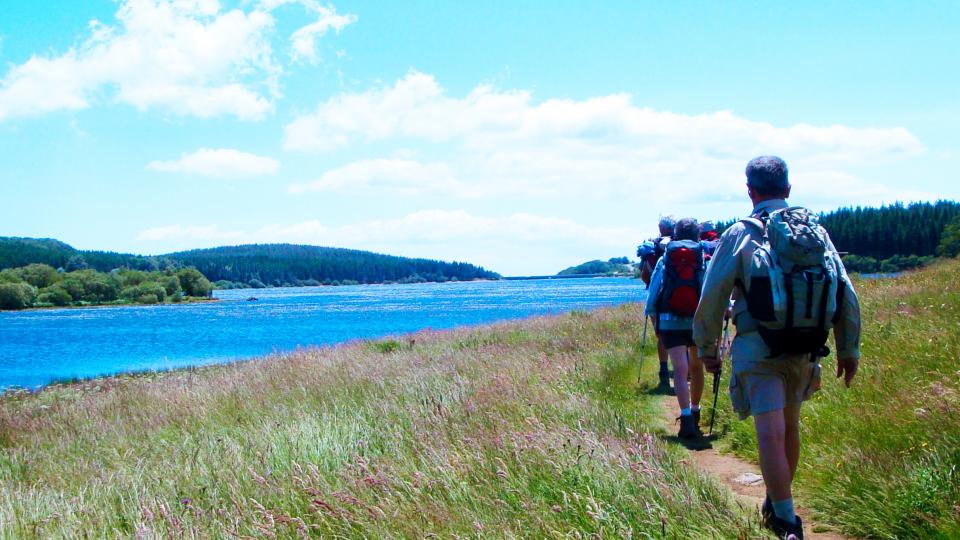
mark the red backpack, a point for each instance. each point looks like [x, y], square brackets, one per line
[682, 272]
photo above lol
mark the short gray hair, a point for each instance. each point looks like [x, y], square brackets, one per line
[767, 176]
[686, 229]
[667, 223]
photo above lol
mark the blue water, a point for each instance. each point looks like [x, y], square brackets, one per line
[37, 347]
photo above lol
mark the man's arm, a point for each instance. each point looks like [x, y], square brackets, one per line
[715, 298]
[846, 332]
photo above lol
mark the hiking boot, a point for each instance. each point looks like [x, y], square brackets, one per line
[766, 512]
[664, 386]
[784, 530]
[696, 416]
[689, 428]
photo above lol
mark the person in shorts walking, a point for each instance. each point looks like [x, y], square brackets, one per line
[766, 384]
[672, 301]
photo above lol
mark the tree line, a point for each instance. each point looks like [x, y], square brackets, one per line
[41, 285]
[256, 265]
[281, 265]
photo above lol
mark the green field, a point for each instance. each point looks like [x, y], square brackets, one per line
[528, 429]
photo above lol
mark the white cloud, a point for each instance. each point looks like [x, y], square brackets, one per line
[504, 143]
[186, 57]
[404, 176]
[515, 244]
[219, 163]
[303, 42]
[180, 232]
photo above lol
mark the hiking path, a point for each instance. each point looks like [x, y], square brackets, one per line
[740, 476]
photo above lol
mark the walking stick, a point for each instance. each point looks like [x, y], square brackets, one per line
[722, 349]
[643, 346]
[716, 392]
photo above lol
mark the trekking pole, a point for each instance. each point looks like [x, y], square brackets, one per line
[643, 346]
[716, 392]
[722, 350]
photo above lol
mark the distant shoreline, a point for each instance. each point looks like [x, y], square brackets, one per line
[192, 300]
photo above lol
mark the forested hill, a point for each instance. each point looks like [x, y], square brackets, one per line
[254, 265]
[283, 264]
[616, 265]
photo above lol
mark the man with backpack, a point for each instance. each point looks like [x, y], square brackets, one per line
[672, 301]
[650, 253]
[790, 289]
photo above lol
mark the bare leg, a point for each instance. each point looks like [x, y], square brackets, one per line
[696, 377]
[771, 442]
[791, 421]
[678, 356]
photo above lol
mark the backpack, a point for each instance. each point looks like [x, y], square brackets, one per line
[645, 252]
[649, 253]
[682, 276]
[794, 291]
[709, 248]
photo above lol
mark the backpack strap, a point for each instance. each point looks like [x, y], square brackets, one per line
[756, 222]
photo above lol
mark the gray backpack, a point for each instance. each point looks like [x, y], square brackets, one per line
[794, 290]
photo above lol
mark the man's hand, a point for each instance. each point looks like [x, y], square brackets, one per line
[847, 367]
[711, 363]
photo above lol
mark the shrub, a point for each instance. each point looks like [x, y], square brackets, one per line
[101, 288]
[148, 299]
[39, 275]
[55, 295]
[132, 277]
[257, 284]
[145, 293]
[73, 287]
[950, 240]
[193, 283]
[16, 295]
[170, 284]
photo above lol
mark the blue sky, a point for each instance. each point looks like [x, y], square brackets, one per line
[523, 136]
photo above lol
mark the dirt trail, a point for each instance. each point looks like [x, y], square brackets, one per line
[742, 477]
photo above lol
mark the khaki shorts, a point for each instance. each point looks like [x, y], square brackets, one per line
[760, 385]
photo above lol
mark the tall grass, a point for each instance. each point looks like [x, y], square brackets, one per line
[882, 459]
[531, 429]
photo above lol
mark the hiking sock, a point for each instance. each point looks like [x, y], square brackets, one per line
[784, 510]
[694, 407]
[687, 412]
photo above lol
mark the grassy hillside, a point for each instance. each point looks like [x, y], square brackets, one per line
[882, 459]
[529, 429]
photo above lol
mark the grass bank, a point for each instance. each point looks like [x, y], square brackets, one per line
[882, 459]
[529, 429]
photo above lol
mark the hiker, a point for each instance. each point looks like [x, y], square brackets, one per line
[709, 239]
[789, 288]
[650, 253]
[672, 301]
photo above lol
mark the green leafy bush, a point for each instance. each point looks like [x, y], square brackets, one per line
[194, 283]
[16, 295]
[55, 295]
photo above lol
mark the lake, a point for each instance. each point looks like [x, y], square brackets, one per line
[37, 347]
